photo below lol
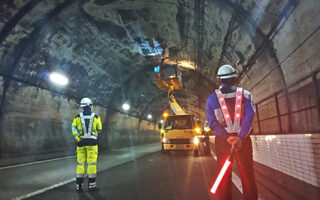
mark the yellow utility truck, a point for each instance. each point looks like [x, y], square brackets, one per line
[180, 132]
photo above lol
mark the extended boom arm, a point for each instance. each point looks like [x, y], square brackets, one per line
[174, 104]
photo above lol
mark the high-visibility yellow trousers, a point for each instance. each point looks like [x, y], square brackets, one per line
[89, 155]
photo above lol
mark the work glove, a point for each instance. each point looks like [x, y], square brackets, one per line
[79, 141]
[77, 138]
[235, 143]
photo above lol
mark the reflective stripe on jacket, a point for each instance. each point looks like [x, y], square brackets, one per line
[215, 116]
[86, 126]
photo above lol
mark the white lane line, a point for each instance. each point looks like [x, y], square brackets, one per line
[37, 162]
[55, 185]
[45, 189]
[61, 158]
[132, 147]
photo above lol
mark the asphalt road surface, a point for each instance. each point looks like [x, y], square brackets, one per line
[156, 176]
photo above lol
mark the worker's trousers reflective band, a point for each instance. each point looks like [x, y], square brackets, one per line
[92, 185]
[83, 124]
[80, 170]
[92, 170]
[80, 175]
[231, 127]
[87, 154]
[92, 175]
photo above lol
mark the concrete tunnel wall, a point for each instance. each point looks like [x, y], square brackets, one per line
[280, 48]
[291, 57]
[36, 121]
[285, 80]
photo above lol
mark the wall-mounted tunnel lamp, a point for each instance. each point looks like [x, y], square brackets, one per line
[125, 106]
[165, 115]
[149, 116]
[58, 79]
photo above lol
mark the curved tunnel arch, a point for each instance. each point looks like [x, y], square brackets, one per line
[234, 6]
[237, 7]
[274, 46]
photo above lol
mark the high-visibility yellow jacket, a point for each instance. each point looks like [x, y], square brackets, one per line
[85, 128]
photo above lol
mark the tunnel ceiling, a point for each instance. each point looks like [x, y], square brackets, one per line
[108, 48]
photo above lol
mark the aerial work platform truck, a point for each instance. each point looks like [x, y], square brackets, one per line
[179, 131]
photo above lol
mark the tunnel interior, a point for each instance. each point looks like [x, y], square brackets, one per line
[108, 50]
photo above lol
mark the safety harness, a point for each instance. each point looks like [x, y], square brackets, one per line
[87, 133]
[231, 127]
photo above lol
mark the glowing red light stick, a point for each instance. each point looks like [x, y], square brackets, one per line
[220, 176]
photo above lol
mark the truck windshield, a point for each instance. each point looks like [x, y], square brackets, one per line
[178, 122]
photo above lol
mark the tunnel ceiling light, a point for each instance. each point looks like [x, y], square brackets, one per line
[125, 106]
[58, 79]
[149, 116]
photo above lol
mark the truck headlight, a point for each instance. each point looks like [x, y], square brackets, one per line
[196, 141]
[165, 140]
[198, 130]
[206, 129]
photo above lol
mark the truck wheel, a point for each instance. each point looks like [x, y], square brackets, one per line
[162, 149]
[207, 148]
[207, 151]
[196, 153]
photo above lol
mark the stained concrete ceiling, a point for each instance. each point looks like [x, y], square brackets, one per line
[108, 48]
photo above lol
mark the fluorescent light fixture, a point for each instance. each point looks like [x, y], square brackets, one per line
[58, 79]
[149, 116]
[125, 106]
[187, 65]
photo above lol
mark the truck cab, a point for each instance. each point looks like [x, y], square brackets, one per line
[180, 132]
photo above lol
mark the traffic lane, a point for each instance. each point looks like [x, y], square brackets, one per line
[157, 176]
[23, 179]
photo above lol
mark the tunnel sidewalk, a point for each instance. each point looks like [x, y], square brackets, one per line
[22, 180]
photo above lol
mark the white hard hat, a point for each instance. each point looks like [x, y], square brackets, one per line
[85, 102]
[226, 71]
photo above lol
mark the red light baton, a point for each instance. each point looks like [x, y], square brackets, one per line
[220, 176]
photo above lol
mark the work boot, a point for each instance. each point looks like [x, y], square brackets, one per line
[92, 184]
[79, 182]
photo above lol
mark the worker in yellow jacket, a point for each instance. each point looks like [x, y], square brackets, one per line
[85, 128]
